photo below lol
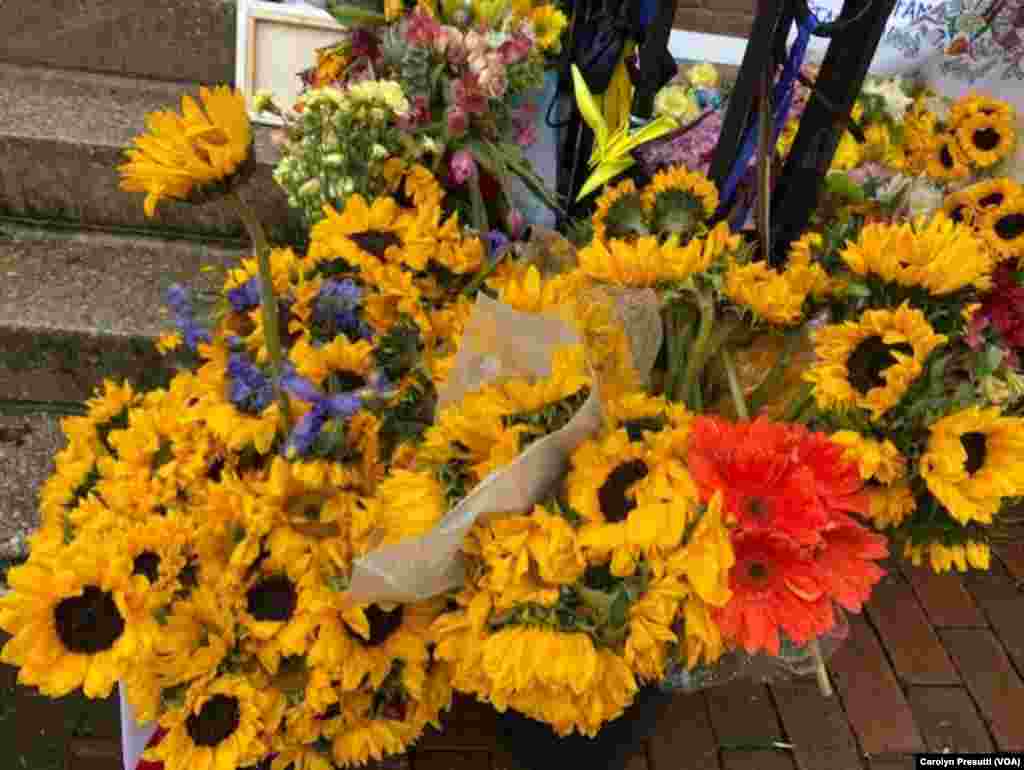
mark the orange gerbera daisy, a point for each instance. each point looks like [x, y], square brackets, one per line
[837, 481]
[846, 564]
[756, 467]
[773, 591]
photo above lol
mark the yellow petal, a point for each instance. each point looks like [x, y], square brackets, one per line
[589, 109]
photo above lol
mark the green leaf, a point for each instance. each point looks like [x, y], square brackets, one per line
[618, 614]
[993, 357]
[841, 185]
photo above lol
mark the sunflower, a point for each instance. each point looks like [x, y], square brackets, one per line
[876, 460]
[872, 362]
[973, 461]
[774, 590]
[377, 636]
[648, 262]
[364, 234]
[222, 725]
[159, 549]
[560, 678]
[889, 505]
[936, 254]
[181, 154]
[995, 193]
[76, 622]
[946, 160]
[1003, 229]
[548, 25]
[973, 104]
[943, 558]
[199, 635]
[777, 296]
[619, 212]
[273, 610]
[679, 200]
[985, 139]
[961, 206]
[651, 618]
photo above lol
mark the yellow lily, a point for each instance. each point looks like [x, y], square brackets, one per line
[611, 154]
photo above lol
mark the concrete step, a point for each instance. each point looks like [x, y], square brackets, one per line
[77, 308]
[62, 136]
[180, 40]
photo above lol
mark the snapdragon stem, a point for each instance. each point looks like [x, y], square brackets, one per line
[268, 302]
[734, 385]
[477, 201]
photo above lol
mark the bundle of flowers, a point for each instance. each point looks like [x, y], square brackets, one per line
[420, 458]
[444, 84]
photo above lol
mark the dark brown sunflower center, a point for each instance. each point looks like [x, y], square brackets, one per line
[90, 623]
[382, 623]
[869, 361]
[946, 157]
[975, 444]
[635, 429]
[992, 200]
[273, 598]
[147, 563]
[1010, 227]
[215, 470]
[189, 576]
[216, 721]
[612, 495]
[986, 139]
[757, 571]
[333, 712]
[349, 381]
[957, 214]
[375, 242]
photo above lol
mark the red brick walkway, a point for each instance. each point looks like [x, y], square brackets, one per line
[935, 664]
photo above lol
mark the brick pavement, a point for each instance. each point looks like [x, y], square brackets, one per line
[935, 664]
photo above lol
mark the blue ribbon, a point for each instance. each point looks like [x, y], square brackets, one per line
[782, 95]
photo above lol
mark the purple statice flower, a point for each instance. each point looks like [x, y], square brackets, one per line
[337, 309]
[340, 407]
[246, 296]
[251, 390]
[180, 302]
[497, 242]
[691, 146]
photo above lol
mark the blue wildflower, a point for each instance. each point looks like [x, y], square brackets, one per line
[251, 390]
[180, 302]
[246, 296]
[497, 242]
[340, 407]
[337, 309]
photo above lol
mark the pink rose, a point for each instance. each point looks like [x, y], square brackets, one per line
[514, 50]
[493, 81]
[468, 94]
[462, 167]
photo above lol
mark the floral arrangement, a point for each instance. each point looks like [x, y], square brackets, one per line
[422, 458]
[448, 85]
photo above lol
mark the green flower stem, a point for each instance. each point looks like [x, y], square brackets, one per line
[734, 385]
[799, 405]
[268, 302]
[680, 320]
[823, 681]
[706, 308]
[477, 200]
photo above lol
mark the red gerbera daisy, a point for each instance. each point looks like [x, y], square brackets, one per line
[837, 481]
[757, 467]
[846, 563]
[774, 589]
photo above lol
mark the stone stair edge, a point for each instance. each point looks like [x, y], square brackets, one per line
[63, 133]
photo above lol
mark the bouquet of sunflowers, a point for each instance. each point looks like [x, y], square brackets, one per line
[422, 458]
[447, 84]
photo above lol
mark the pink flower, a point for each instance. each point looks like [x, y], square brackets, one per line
[458, 122]
[494, 82]
[526, 134]
[514, 50]
[468, 95]
[452, 43]
[516, 223]
[422, 29]
[462, 166]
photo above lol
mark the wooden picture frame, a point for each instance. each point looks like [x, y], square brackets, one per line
[275, 42]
